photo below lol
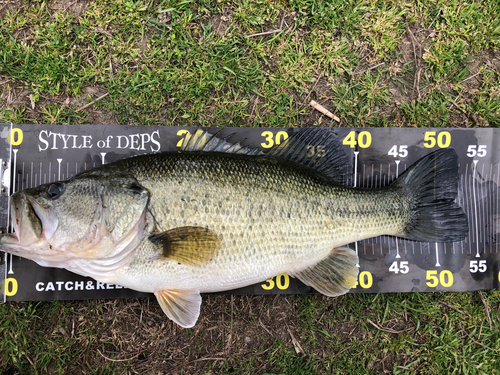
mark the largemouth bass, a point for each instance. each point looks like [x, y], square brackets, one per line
[218, 216]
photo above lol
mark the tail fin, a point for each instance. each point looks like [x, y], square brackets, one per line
[432, 186]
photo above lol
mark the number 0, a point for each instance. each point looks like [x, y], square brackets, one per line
[364, 139]
[282, 281]
[10, 286]
[365, 279]
[15, 137]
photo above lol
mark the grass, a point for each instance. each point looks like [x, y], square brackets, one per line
[386, 333]
[168, 62]
[373, 63]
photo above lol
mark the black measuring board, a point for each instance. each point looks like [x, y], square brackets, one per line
[38, 154]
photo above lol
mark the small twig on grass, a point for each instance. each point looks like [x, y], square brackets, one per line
[266, 33]
[263, 326]
[117, 360]
[416, 81]
[472, 76]
[455, 101]
[479, 343]
[486, 307]
[435, 18]
[383, 329]
[460, 94]
[93, 102]
[296, 344]
[32, 101]
[339, 353]
[230, 336]
[312, 89]
[376, 66]
[269, 32]
[369, 68]
[70, 4]
[453, 307]
[264, 351]
[207, 359]
[323, 110]
[470, 116]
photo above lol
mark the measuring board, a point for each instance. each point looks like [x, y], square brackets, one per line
[31, 155]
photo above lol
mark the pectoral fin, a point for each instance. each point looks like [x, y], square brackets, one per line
[334, 275]
[182, 306]
[188, 245]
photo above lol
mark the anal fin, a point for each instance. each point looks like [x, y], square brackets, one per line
[333, 276]
[182, 306]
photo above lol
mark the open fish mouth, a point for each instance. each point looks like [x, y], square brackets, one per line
[27, 225]
[28, 239]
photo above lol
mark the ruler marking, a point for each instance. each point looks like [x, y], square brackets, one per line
[21, 180]
[381, 176]
[11, 271]
[59, 169]
[372, 178]
[485, 197]
[354, 185]
[398, 256]
[460, 201]
[475, 207]
[470, 238]
[437, 256]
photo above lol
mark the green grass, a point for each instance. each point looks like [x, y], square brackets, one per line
[383, 333]
[191, 62]
[372, 63]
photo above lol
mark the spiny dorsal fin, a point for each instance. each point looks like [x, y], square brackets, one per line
[334, 275]
[202, 140]
[318, 149]
[193, 246]
[182, 306]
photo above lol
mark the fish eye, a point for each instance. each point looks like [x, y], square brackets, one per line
[54, 190]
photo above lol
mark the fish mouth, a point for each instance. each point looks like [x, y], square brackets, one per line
[27, 224]
[27, 227]
[28, 239]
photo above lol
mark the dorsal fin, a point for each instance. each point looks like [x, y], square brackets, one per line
[317, 149]
[202, 140]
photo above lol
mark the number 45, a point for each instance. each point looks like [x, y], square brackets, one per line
[478, 266]
[401, 267]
